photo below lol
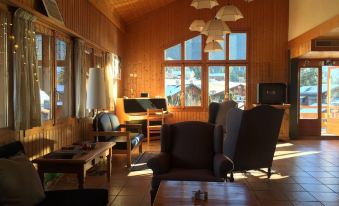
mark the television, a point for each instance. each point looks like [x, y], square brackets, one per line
[271, 93]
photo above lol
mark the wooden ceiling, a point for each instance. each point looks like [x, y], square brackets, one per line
[128, 11]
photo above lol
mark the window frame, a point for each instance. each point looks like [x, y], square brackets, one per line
[205, 63]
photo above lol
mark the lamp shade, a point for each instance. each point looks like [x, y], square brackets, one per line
[197, 25]
[215, 38]
[213, 46]
[96, 94]
[229, 13]
[216, 27]
[204, 4]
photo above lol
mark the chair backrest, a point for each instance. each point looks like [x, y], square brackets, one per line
[257, 138]
[155, 115]
[191, 144]
[106, 121]
[218, 112]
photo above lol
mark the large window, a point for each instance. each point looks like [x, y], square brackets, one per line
[224, 72]
[3, 72]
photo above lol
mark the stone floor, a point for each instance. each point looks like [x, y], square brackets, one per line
[306, 173]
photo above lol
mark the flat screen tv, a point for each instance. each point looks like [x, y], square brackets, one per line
[271, 93]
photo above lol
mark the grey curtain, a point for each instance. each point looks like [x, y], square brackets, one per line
[80, 75]
[26, 83]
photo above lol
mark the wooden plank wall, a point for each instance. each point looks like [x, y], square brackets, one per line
[84, 19]
[266, 22]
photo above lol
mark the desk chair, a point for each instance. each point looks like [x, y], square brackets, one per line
[155, 119]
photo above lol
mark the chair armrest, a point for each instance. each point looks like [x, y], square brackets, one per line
[132, 126]
[160, 163]
[110, 134]
[222, 165]
[76, 197]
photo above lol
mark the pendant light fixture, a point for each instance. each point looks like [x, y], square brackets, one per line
[229, 13]
[204, 4]
[215, 38]
[213, 46]
[216, 27]
[197, 25]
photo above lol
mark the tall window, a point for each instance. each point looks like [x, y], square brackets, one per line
[224, 72]
[63, 79]
[43, 48]
[3, 72]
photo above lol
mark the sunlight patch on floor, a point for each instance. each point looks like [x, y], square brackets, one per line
[284, 145]
[290, 154]
[147, 172]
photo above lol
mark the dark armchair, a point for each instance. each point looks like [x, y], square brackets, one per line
[52, 198]
[106, 127]
[251, 137]
[190, 151]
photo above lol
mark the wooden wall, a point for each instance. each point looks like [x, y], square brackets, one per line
[81, 19]
[266, 22]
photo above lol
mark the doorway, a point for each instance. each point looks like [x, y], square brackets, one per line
[318, 101]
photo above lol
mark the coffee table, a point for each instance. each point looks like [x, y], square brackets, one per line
[219, 193]
[79, 162]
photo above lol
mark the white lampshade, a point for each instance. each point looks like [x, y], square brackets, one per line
[213, 46]
[229, 13]
[96, 94]
[215, 38]
[216, 27]
[204, 4]
[197, 25]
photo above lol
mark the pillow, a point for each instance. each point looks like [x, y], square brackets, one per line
[19, 182]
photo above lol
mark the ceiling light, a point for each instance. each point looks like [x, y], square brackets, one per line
[197, 25]
[215, 38]
[213, 46]
[204, 4]
[216, 27]
[229, 13]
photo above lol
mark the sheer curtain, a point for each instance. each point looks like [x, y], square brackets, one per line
[26, 83]
[112, 74]
[80, 75]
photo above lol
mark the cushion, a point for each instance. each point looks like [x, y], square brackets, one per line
[19, 182]
[222, 113]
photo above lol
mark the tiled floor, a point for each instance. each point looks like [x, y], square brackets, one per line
[306, 173]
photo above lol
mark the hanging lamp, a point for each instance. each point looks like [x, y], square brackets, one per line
[197, 25]
[216, 27]
[211, 38]
[213, 46]
[229, 13]
[204, 4]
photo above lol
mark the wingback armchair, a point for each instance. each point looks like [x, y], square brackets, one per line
[106, 127]
[190, 151]
[251, 137]
[217, 112]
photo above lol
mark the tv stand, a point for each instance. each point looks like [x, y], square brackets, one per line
[284, 133]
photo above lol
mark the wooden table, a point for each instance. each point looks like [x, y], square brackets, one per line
[219, 193]
[79, 164]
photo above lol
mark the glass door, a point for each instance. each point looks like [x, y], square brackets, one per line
[330, 101]
[309, 123]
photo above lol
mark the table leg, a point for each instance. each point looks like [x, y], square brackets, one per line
[109, 164]
[81, 178]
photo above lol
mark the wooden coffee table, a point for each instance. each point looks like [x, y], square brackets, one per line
[58, 162]
[219, 193]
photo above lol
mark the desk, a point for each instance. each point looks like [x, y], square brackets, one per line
[79, 164]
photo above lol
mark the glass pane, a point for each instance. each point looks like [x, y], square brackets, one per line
[237, 85]
[3, 72]
[219, 55]
[193, 86]
[216, 84]
[173, 53]
[308, 92]
[44, 74]
[193, 48]
[330, 101]
[237, 46]
[173, 85]
[63, 80]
